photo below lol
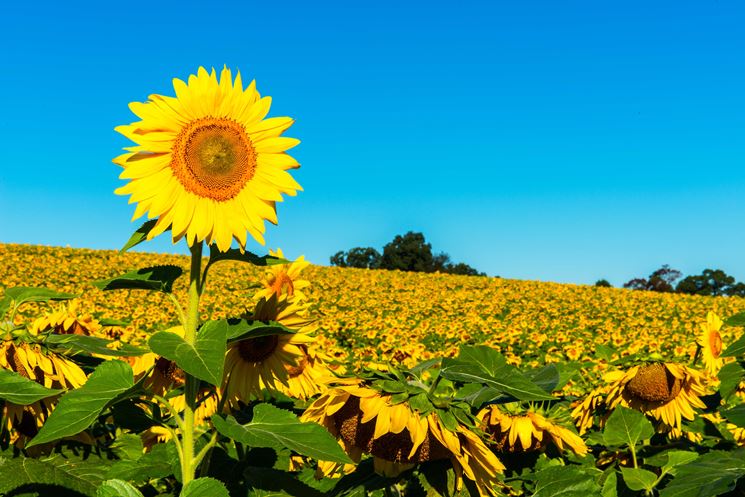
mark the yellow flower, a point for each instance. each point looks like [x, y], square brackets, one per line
[66, 320]
[398, 437]
[207, 163]
[284, 279]
[711, 344]
[528, 431]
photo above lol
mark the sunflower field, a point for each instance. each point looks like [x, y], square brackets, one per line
[227, 373]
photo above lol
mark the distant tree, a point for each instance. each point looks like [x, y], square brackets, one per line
[359, 257]
[409, 252]
[711, 282]
[662, 280]
[603, 283]
[462, 268]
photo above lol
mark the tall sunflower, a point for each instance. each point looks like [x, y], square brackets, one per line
[207, 164]
[398, 437]
[284, 279]
[528, 430]
[711, 344]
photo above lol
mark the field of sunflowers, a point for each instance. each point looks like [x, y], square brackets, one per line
[227, 373]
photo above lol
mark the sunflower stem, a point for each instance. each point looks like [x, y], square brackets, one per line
[188, 461]
[633, 456]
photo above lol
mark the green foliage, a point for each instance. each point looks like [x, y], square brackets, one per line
[139, 236]
[661, 280]
[244, 329]
[117, 488]
[714, 282]
[566, 482]
[83, 344]
[639, 479]
[204, 360]
[711, 474]
[359, 257]
[204, 487]
[603, 283]
[14, 297]
[78, 408]
[627, 427]
[159, 278]
[22, 391]
[276, 428]
[80, 476]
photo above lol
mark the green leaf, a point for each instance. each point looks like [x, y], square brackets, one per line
[547, 377]
[83, 477]
[117, 488]
[565, 481]
[242, 329]
[626, 427]
[736, 320]
[204, 360]
[20, 294]
[735, 349]
[609, 485]
[638, 479]
[204, 487]
[729, 377]
[711, 474]
[82, 344]
[154, 464]
[22, 391]
[113, 322]
[670, 459]
[77, 409]
[139, 236]
[159, 278]
[736, 415]
[276, 428]
[504, 378]
[236, 255]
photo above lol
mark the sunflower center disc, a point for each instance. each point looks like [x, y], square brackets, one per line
[297, 370]
[654, 383]
[281, 281]
[213, 158]
[715, 342]
[258, 349]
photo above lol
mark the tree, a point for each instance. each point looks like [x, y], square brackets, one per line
[711, 282]
[603, 283]
[409, 252]
[662, 280]
[359, 257]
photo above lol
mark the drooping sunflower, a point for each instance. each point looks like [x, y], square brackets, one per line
[711, 344]
[527, 431]
[66, 319]
[284, 279]
[398, 437]
[276, 362]
[207, 164]
[668, 392]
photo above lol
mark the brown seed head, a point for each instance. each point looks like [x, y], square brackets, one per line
[653, 383]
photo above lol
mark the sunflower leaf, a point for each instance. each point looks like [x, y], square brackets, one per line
[565, 482]
[714, 473]
[243, 329]
[117, 488]
[204, 487]
[501, 377]
[83, 477]
[139, 236]
[18, 295]
[276, 428]
[735, 349]
[204, 360]
[159, 278]
[736, 415]
[626, 427]
[22, 391]
[729, 377]
[638, 478]
[236, 255]
[77, 409]
[77, 344]
[736, 320]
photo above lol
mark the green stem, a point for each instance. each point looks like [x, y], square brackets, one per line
[179, 309]
[188, 461]
[633, 456]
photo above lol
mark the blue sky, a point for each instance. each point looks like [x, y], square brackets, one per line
[563, 141]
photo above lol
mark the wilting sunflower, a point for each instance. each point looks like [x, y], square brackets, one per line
[527, 431]
[284, 279]
[66, 319]
[207, 163]
[46, 368]
[398, 437]
[276, 362]
[666, 391]
[711, 344]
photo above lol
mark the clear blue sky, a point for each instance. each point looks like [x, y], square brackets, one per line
[563, 141]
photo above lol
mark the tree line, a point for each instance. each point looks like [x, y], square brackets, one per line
[409, 252]
[714, 282]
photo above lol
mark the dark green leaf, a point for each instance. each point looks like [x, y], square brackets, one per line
[609, 485]
[242, 329]
[626, 427]
[82, 344]
[139, 236]
[276, 428]
[20, 294]
[236, 255]
[22, 391]
[151, 278]
[638, 479]
[711, 474]
[565, 481]
[117, 488]
[154, 464]
[80, 476]
[735, 349]
[113, 322]
[729, 377]
[204, 360]
[77, 409]
[547, 377]
[736, 415]
[486, 358]
[504, 378]
[274, 482]
[204, 487]
[736, 320]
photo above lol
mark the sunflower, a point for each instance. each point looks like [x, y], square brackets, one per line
[398, 437]
[527, 431]
[710, 342]
[207, 163]
[46, 368]
[66, 320]
[276, 362]
[284, 279]
[666, 391]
